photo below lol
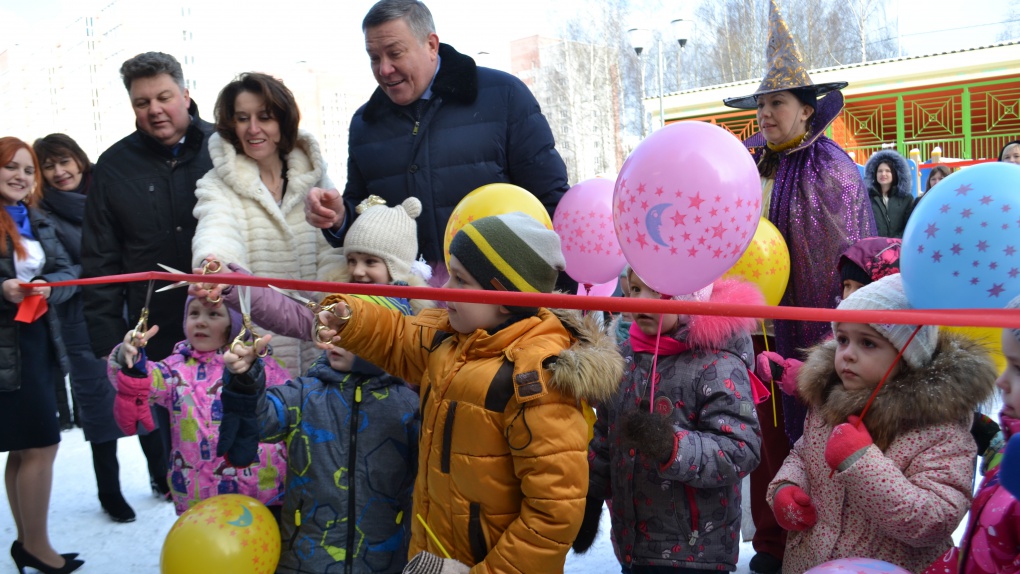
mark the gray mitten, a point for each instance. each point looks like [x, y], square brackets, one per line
[426, 563]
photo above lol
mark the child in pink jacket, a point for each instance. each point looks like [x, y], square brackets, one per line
[188, 384]
[991, 544]
[895, 486]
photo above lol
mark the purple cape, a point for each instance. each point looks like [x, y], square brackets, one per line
[820, 206]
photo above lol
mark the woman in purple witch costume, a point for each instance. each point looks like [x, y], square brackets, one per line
[813, 193]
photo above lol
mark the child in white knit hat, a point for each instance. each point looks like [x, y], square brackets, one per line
[896, 485]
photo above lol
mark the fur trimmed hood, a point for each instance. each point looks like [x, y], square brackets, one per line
[457, 81]
[713, 331]
[900, 168]
[960, 377]
[591, 369]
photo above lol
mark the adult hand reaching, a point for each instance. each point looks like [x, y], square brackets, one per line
[324, 208]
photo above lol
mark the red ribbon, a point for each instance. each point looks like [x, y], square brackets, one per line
[999, 318]
[31, 308]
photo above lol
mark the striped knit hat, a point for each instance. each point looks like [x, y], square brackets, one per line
[510, 252]
[1014, 304]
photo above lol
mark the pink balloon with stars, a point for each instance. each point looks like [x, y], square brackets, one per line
[686, 205]
[584, 222]
[961, 246]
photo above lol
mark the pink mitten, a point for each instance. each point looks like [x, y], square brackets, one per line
[793, 508]
[771, 366]
[847, 443]
[131, 405]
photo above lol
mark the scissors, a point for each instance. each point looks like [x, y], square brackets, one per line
[315, 307]
[138, 333]
[208, 267]
[247, 329]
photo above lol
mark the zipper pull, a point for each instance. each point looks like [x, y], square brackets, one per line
[694, 538]
[357, 394]
[297, 517]
[415, 131]
[400, 517]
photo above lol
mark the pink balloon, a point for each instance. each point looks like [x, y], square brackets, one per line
[584, 222]
[600, 289]
[686, 205]
[857, 566]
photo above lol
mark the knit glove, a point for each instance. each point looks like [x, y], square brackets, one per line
[651, 433]
[793, 508]
[131, 404]
[1009, 468]
[847, 443]
[983, 430]
[238, 442]
[771, 366]
[589, 525]
[426, 563]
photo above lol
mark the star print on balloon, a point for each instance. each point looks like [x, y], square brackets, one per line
[686, 205]
[584, 222]
[766, 263]
[961, 247]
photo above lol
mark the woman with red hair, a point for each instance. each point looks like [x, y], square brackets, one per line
[30, 349]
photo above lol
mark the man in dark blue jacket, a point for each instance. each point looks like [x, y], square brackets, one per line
[138, 213]
[437, 127]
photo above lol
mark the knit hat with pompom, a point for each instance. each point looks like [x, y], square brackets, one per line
[389, 233]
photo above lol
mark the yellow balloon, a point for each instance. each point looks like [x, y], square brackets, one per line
[227, 534]
[493, 199]
[990, 337]
[766, 263]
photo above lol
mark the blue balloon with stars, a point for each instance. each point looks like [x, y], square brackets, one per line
[961, 247]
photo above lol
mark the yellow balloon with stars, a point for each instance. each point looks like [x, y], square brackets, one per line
[766, 263]
[227, 534]
[493, 199]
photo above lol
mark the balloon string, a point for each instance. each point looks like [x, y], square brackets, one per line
[433, 536]
[587, 293]
[772, 383]
[655, 360]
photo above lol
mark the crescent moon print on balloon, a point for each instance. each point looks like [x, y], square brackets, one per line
[244, 520]
[653, 222]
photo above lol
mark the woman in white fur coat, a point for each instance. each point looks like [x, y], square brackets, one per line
[250, 206]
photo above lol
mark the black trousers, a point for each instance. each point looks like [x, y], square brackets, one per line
[104, 459]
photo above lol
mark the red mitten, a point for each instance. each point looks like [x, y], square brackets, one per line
[793, 508]
[771, 366]
[131, 405]
[847, 443]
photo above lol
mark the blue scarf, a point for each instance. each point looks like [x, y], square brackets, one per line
[19, 213]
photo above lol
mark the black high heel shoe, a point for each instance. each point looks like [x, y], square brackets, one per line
[22, 559]
[17, 548]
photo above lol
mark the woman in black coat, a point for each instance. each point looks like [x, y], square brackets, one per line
[30, 351]
[887, 177]
[67, 173]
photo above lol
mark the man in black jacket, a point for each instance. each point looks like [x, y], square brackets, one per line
[437, 127]
[139, 213]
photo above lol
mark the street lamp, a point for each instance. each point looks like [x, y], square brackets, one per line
[642, 37]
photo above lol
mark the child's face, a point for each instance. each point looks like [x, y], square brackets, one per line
[1009, 381]
[625, 289]
[468, 317]
[365, 268]
[863, 356]
[649, 322]
[849, 286]
[207, 326]
[340, 359]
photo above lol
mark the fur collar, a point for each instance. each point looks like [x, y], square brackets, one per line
[592, 368]
[713, 331]
[456, 81]
[899, 164]
[241, 173]
[948, 390]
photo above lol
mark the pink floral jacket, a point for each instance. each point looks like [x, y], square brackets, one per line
[188, 384]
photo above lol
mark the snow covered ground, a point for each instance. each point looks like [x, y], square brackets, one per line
[78, 524]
